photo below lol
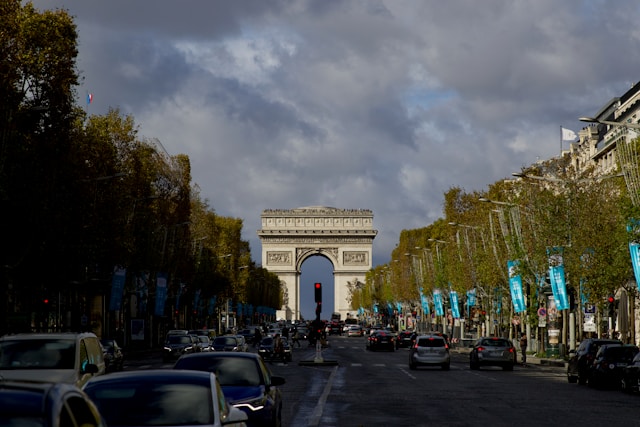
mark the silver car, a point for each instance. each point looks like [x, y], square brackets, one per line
[430, 350]
[493, 351]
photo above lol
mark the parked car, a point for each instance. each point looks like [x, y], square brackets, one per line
[46, 404]
[113, 355]
[607, 367]
[581, 358]
[406, 339]
[65, 357]
[177, 345]
[163, 397]
[226, 343]
[493, 351]
[381, 340]
[247, 383]
[430, 350]
[630, 377]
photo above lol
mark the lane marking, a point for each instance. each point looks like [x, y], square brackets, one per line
[314, 420]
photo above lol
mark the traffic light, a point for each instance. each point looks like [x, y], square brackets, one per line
[612, 305]
[317, 288]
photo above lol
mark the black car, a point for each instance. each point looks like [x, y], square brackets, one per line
[267, 351]
[177, 345]
[405, 339]
[630, 377]
[607, 367]
[381, 340]
[113, 355]
[247, 383]
[46, 404]
[226, 343]
[492, 351]
[581, 358]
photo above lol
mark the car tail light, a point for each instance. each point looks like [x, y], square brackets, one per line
[511, 350]
[481, 349]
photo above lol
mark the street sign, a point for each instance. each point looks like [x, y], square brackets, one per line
[542, 312]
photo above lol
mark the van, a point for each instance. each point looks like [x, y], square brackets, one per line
[66, 357]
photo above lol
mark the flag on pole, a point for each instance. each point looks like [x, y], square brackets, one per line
[568, 134]
[89, 98]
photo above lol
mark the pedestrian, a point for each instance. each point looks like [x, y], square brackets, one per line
[257, 337]
[296, 337]
[278, 347]
[523, 348]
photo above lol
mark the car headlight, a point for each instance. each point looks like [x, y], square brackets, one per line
[167, 349]
[256, 404]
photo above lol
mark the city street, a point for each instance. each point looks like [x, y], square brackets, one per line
[378, 389]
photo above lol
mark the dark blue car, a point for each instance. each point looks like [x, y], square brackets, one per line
[246, 382]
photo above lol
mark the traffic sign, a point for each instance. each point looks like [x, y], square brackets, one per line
[542, 312]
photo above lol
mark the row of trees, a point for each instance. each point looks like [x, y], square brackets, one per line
[82, 194]
[525, 219]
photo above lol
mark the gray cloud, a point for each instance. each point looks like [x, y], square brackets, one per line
[382, 105]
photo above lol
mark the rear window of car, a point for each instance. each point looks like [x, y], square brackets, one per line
[496, 343]
[37, 354]
[431, 342]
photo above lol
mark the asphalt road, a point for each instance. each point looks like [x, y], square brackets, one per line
[366, 388]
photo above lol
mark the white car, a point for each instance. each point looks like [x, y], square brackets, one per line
[354, 331]
[65, 357]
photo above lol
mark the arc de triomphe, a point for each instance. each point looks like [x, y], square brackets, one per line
[343, 236]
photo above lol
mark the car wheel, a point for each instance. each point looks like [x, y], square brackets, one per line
[582, 380]
[572, 378]
[508, 367]
[446, 366]
[474, 366]
[412, 366]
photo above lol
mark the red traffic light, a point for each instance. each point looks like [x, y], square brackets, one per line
[318, 292]
[611, 299]
[46, 300]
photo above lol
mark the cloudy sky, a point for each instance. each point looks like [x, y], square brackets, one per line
[381, 105]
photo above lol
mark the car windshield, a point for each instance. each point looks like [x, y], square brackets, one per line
[153, 403]
[179, 339]
[231, 371]
[267, 341]
[37, 354]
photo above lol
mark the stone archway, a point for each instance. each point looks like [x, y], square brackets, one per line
[343, 236]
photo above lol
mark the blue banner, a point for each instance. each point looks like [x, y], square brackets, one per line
[142, 290]
[498, 300]
[515, 285]
[437, 303]
[425, 304]
[471, 297]
[455, 308]
[634, 249]
[556, 276]
[117, 288]
[212, 305]
[161, 293]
